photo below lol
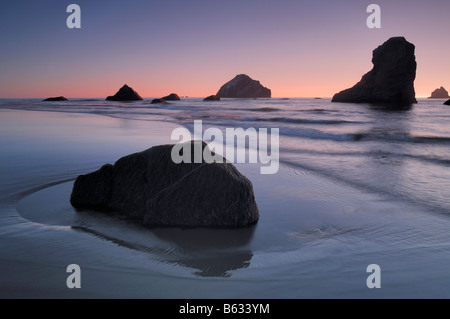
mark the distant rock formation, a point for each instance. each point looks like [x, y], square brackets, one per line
[150, 188]
[125, 94]
[55, 99]
[242, 86]
[440, 93]
[171, 97]
[158, 101]
[391, 81]
[447, 102]
[212, 98]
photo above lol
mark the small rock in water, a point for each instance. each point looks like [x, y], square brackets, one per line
[55, 99]
[158, 101]
[212, 98]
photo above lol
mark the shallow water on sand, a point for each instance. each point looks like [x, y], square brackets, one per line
[316, 235]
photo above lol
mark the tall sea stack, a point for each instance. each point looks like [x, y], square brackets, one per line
[391, 80]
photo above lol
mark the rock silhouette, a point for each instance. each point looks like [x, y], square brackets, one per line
[151, 189]
[55, 99]
[125, 93]
[242, 86]
[391, 80]
[171, 97]
[447, 102]
[440, 93]
[212, 98]
[158, 101]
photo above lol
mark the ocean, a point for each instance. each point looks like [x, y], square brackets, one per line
[357, 185]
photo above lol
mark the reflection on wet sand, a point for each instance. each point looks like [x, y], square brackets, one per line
[212, 252]
[218, 265]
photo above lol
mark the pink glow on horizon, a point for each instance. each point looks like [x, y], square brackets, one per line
[313, 75]
[293, 48]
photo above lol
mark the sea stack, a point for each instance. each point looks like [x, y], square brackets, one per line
[447, 102]
[55, 99]
[391, 80]
[125, 94]
[440, 93]
[151, 189]
[171, 97]
[243, 86]
[212, 98]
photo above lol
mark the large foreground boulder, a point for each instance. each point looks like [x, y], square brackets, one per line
[447, 102]
[391, 81]
[125, 94]
[243, 86]
[440, 93]
[55, 99]
[150, 188]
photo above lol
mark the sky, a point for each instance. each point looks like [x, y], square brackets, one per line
[191, 47]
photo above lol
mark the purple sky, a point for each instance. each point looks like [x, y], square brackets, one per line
[191, 47]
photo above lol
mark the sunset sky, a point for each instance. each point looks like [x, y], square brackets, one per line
[191, 47]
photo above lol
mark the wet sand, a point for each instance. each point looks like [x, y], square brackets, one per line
[315, 236]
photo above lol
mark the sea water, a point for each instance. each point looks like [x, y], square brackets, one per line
[357, 185]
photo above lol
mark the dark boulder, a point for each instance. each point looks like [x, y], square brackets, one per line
[153, 190]
[243, 86]
[158, 101]
[447, 102]
[212, 98]
[125, 94]
[171, 97]
[440, 93]
[93, 190]
[391, 80]
[55, 99]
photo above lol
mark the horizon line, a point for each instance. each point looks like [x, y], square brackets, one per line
[193, 97]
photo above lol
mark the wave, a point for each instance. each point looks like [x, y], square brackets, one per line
[421, 158]
[431, 139]
[364, 137]
[263, 109]
[327, 231]
[306, 121]
[230, 116]
[433, 207]
[316, 134]
[87, 100]
[401, 138]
